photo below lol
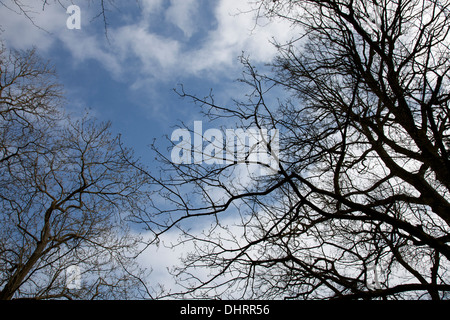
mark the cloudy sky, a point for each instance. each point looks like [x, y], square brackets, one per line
[152, 46]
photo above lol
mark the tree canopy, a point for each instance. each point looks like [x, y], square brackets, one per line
[360, 207]
[67, 190]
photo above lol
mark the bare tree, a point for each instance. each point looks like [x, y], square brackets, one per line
[360, 206]
[67, 190]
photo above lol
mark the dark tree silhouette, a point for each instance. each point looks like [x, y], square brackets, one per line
[360, 205]
[67, 190]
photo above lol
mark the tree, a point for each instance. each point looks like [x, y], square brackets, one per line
[360, 205]
[67, 191]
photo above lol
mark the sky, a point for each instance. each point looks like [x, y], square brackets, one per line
[128, 74]
[151, 47]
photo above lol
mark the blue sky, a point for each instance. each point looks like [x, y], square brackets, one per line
[152, 47]
[128, 78]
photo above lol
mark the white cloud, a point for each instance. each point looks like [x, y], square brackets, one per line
[161, 56]
[144, 47]
[43, 28]
[84, 46]
[30, 27]
[173, 248]
[151, 6]
[182, 13]
[155, 53]
[160, 259]
[237, 31]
